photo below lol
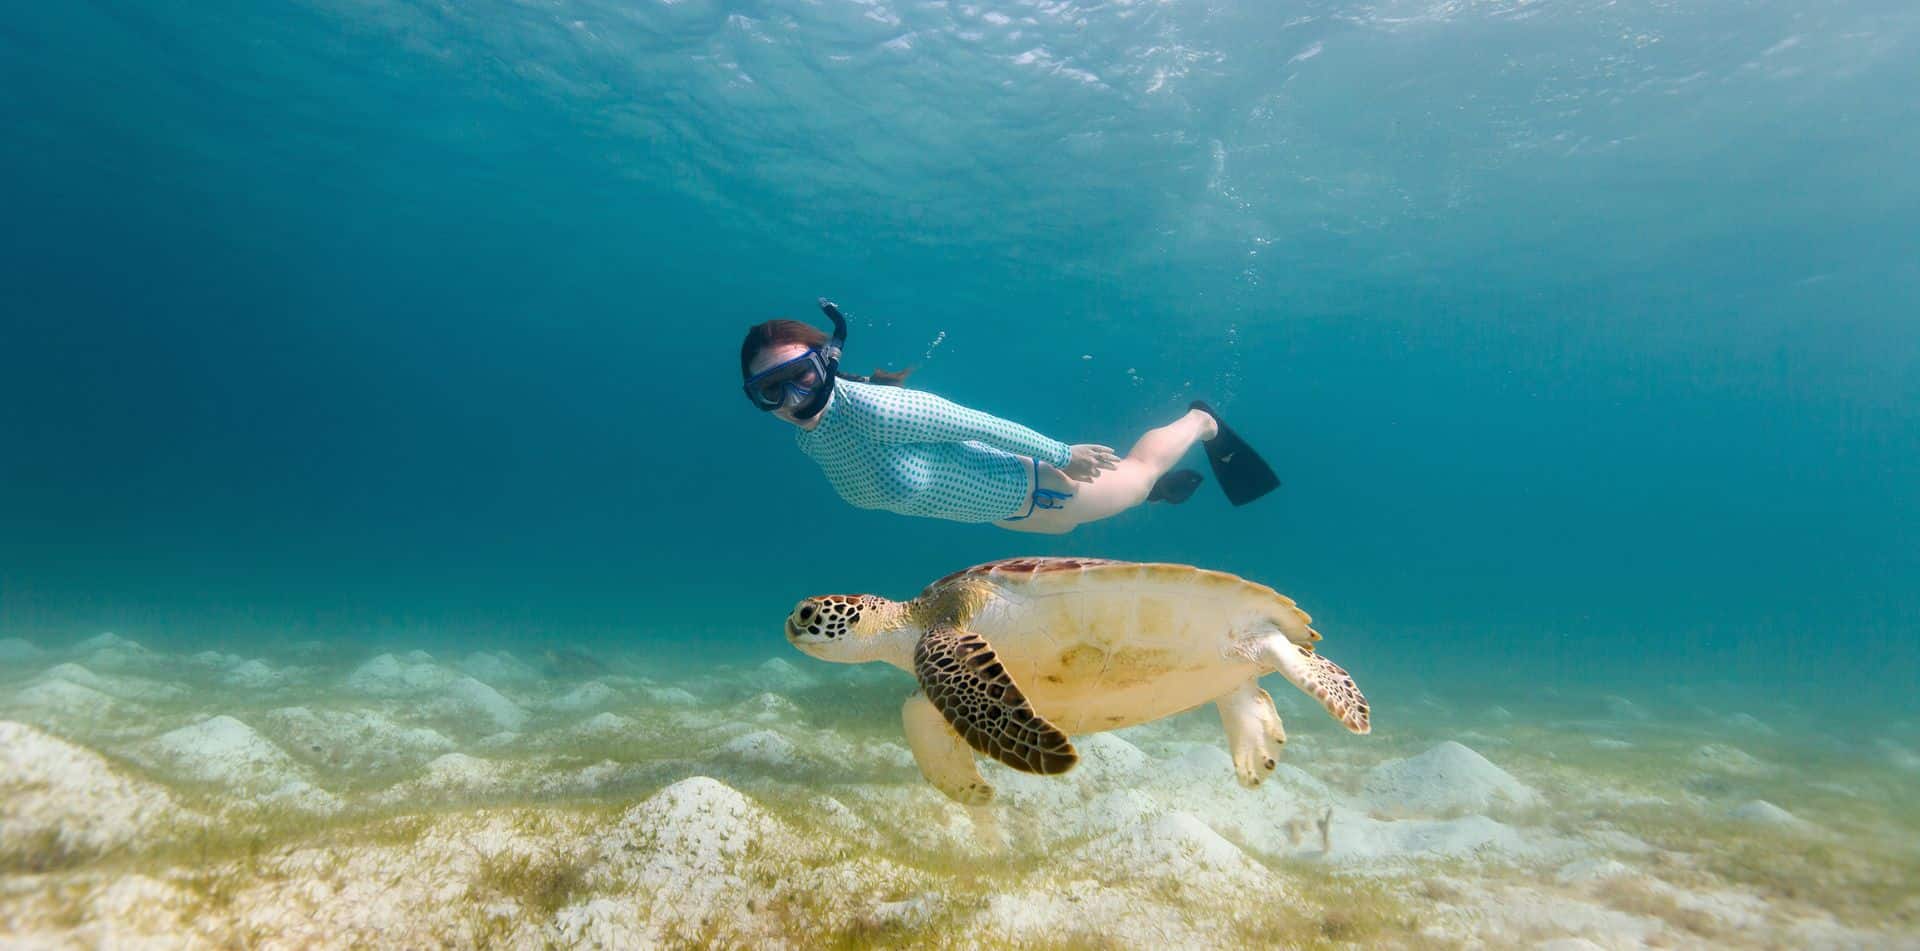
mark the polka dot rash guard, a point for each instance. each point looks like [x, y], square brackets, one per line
[911, 452]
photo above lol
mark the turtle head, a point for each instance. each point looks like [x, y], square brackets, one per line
[847, 628]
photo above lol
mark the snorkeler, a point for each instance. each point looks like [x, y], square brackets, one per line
[908, 451]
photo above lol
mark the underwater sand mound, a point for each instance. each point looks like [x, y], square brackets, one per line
[1119, 809]
[1172, 845]
[498, 668]
[1748, 723]
[1107, 761]
[453, 776]
[1197, 764]
[1899, 756]
[1620, 708]
[761, 748]
[1581, 871]
[1275, 819]
[602, 727]
[1355, 837]
[58, 798]
[843, 821]
[119, 687]
[389, 676]
[695, 826]
[1568, 944]
[1084, 913]
[249, 674]
[471, 834]
[219, 749]
[113, 652]
[1765, 813]
[768, 707]
[1447, 778]
[361, 741]
[1729, 760]
[589, 696]
[670, 697]
[1511, 917]
[225, 752]
[253, 675]
[467, 697]
[55, 699]
[600, 923]
[217, 660]
[687, 847]
[778, 675]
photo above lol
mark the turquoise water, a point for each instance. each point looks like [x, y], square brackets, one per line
[1581, 333]
[1582, 327]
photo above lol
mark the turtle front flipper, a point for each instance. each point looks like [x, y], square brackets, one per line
[965, 680]
[1319, 678]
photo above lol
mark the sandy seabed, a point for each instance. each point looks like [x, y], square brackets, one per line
[332, 796]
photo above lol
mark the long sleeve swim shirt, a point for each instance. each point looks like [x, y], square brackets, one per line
[911, 452]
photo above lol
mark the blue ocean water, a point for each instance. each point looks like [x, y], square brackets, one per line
[388, 557]
[1582, 333]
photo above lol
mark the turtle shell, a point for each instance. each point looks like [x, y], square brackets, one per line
[1097, 644]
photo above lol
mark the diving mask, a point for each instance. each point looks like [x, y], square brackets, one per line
[770, 388]
[808, 376]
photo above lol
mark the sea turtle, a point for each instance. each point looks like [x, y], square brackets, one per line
[1015, 656]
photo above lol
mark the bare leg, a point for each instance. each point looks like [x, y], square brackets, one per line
[1123, 487]
[1162, 449]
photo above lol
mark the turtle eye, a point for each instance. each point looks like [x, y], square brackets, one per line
[806, 613]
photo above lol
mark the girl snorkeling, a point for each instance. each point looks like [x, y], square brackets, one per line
[908, 451]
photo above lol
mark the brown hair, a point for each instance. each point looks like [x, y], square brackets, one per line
[777, 333]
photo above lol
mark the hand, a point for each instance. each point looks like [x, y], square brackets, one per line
[1089, 461]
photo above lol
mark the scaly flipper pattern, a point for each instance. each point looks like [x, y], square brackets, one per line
[1254, 734]
[1321, 679]
[965, 680]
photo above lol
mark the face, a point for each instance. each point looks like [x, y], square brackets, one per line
[820, 625]
[773, 357]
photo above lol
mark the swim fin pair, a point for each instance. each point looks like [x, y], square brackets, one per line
[1242, 474]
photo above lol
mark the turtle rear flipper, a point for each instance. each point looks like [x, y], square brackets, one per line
[1255, 735]
[943, 757]
[964, 679]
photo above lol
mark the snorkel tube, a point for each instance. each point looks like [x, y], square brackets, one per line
[830, 360]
